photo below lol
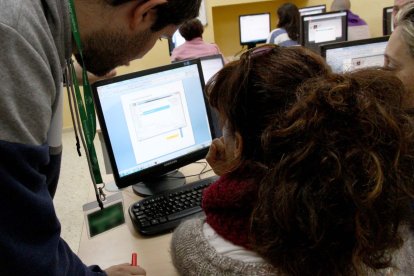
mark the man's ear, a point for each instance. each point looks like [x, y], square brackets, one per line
[144, 12]
[238, 146]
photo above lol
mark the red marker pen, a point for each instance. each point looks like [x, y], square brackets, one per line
[134, 259]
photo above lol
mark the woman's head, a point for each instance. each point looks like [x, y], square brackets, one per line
[289, 18]
[340, 175]
[191, 29]
[248, 92]
[399, 54]
[340, 5]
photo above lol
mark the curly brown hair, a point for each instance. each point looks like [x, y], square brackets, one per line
[340, 181]
[248, 92]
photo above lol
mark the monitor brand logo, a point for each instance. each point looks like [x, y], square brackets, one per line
[170, 163]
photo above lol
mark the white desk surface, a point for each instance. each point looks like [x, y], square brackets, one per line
[116, 245]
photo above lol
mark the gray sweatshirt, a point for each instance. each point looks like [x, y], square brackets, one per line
[35, 40]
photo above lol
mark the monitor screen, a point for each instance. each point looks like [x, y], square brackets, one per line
[154, 122]
[324, 27]
[254, 28]
[387, 21]
[357, 54]
[312, 10]
[211, 65]
[176, 40]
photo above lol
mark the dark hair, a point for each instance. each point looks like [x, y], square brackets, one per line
[289, 18]
[174, 12]
[340, 181]
[191, 29]
[248, 92]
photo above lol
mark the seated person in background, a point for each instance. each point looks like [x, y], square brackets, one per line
[315, 172]
[194, 46]
[287, 32]
[357, 27]
[399, 54]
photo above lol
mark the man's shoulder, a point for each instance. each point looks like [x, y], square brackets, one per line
[22, 14]
[11, 11]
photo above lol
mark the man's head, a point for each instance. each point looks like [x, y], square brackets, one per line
[340, 5]
[114, 32]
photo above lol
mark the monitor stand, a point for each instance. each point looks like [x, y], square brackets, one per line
[160, 184]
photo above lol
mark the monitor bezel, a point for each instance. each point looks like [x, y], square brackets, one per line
[302, 25]
[315, 6]
[215, 121]
[343, 44]
[213, 57]
[256, 41]
[385, 21]
[164, 167]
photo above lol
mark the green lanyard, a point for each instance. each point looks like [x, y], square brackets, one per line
[87, 115]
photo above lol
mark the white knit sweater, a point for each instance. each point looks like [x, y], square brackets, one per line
[192, 254]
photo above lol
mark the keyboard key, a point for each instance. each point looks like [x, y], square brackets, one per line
[184, 213]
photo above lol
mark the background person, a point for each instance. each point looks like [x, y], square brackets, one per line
[399, 53]
[194, 45]
[35, 47]
[357, 27]
[287, 32]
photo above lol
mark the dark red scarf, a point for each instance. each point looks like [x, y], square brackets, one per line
[228, 204]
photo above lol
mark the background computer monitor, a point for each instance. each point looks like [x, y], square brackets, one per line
[176, 40]
[357, 54]
[387, 21]
[254, 28]
[210, 66]
[317, 29]
[312, 10]
[154, 122]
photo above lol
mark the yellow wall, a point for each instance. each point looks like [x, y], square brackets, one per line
[222, 28]
[225, 18]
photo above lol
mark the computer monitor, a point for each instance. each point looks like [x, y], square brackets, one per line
[154, 122]
[176, 40]
[322, 28]
[254, 28]
[210, 65]
[312, 10]
[351, 55]
[387, 21]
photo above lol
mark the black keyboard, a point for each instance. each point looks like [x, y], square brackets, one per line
[163, 212]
